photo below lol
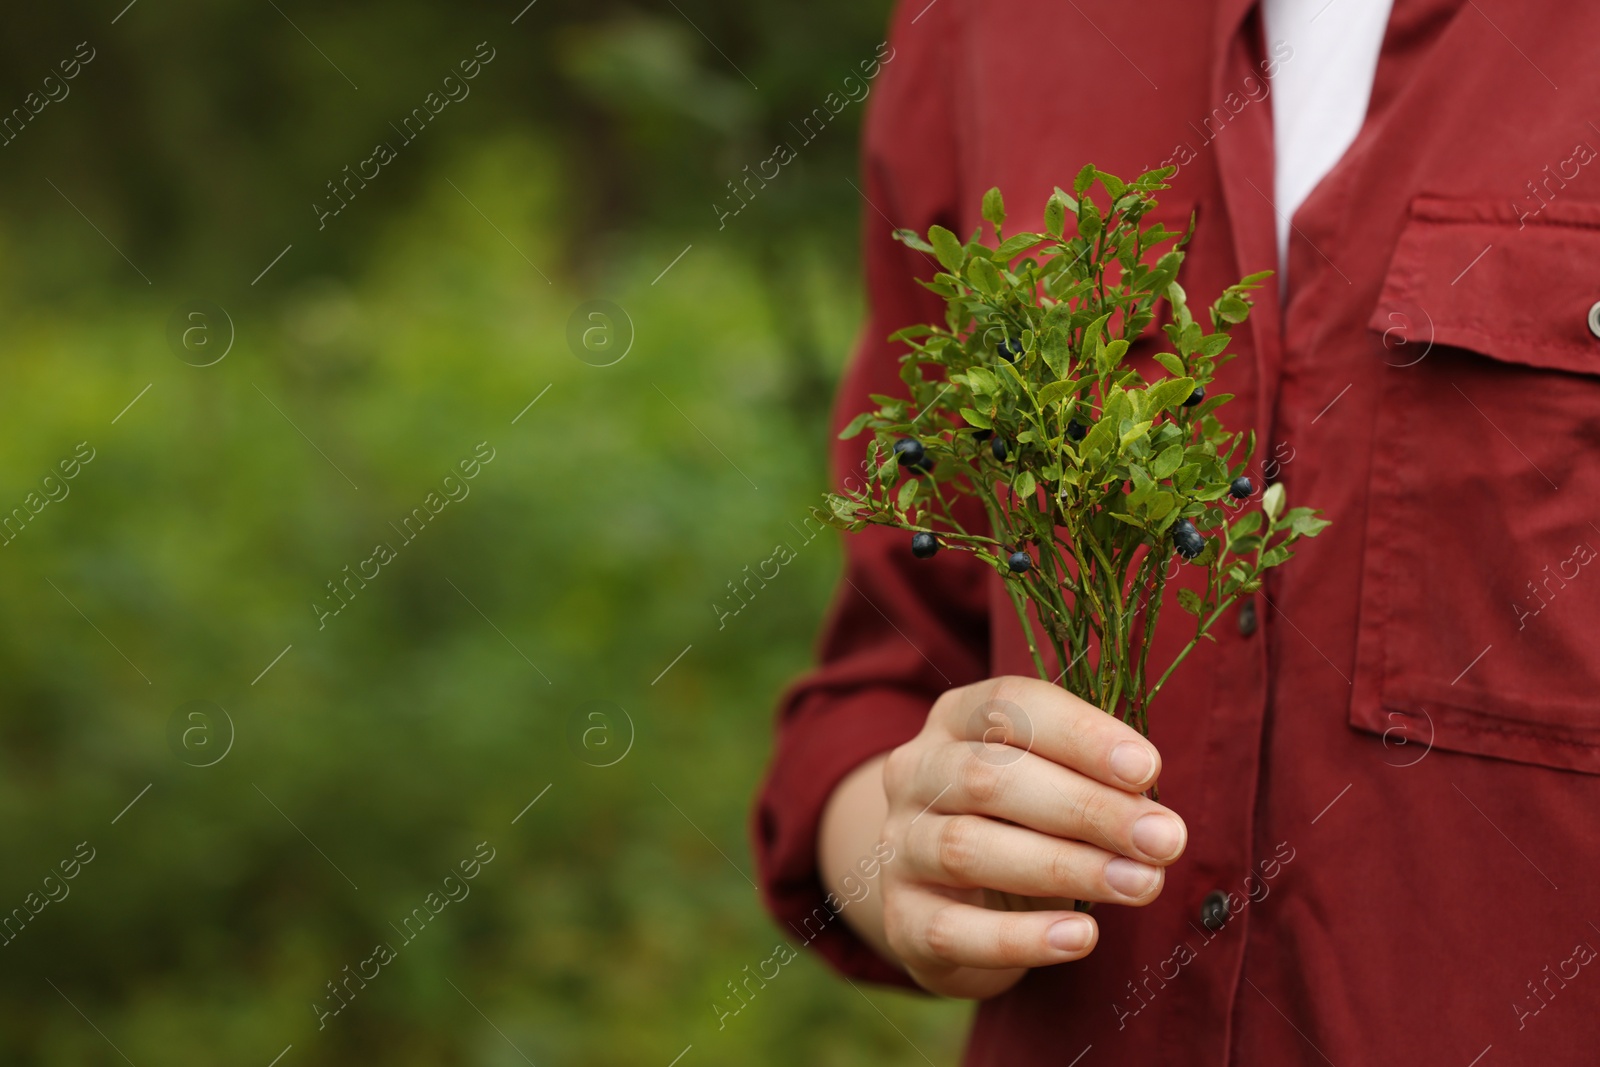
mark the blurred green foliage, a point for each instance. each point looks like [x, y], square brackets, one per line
[378, 751]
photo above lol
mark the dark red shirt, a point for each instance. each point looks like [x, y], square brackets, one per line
[1388, 760]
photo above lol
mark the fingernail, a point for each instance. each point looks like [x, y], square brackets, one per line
[1158, 836]
[1129, 878]
[1133, 763]
[1070, 935]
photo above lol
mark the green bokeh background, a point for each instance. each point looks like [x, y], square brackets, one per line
[373, 356]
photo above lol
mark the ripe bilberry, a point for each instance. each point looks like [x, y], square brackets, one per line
[1019, 561]
[924, 545]
[1187, 540]
[910, 451]
[1241, 488]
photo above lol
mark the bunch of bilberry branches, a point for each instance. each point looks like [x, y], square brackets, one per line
[1092, 477]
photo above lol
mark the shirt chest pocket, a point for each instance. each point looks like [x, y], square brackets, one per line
[1480, 600]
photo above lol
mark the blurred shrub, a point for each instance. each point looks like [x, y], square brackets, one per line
[380, 750]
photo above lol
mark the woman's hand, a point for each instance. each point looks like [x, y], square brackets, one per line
[1015, 800]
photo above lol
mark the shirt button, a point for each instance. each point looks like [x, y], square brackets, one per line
[1214, 912]
[1594, 319]
[1247, 614]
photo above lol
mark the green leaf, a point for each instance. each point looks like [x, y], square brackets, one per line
[994, 209]
[1171, 361]
[1054, 391]
[1056, 348]
[1208, 405]
[1168, 461]
[1232, 309]
[1304, 522]
[983, 380]
[947, 246]
[856, 426]
[908, 492]
[1166, 269]
[1026, 485]
[1088, 220]
[1190, 601]
[1113, 184]
[985, 276]
[1275, 555]
[1099, 440]
[977, 418]
[1160, 505]
[1132, 433]
[1055, 214]
[1247, 524]
[1167, 394]
[910, 239]
[1272, 501]
[1110, 356]
[1094, 341]
[1085, 178]
[1246, 544]
[1015, 245]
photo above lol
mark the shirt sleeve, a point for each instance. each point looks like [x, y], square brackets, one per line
[900, 630]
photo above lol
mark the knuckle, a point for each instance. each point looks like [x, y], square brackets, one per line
[1060, 867]
[896, 928]
[1081, 733]
[899, 770]
[1102, 812]
[950, 706]
[1016, 944]
[979, 780]
[1007, 688]
[958, 846]
[939, 936]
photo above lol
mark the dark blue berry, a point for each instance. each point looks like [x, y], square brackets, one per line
[1010, 350]
[924, 545]
[1076, 431]
[1241, 488]
[1187, 540]
[1195, 397]
[998, 448]
[910, 451]
[1019, 561]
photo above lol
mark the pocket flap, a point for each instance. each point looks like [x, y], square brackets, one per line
[1498, 278]
[1480, 614]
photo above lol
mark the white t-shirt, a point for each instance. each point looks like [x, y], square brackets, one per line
[1319, 94]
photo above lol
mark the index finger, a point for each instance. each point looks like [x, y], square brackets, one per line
[1014, 712]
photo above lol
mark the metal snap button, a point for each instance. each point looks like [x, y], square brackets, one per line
[1214, 912]
[1594, 318]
